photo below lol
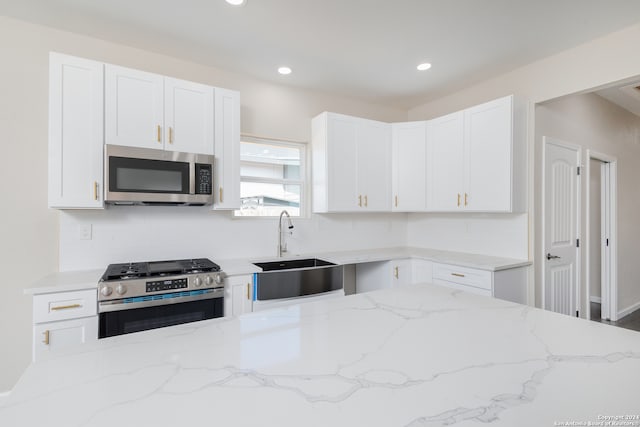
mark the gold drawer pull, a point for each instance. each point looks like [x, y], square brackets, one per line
[365, 201]
[360, 201]
[465, 198]
[95, 190]
[395, 273]
[458, 199]
[170, 135]
[248, 296]
[66, 307]
[396, 201]
[457, 274]
[46, 337]
[221, 193]
[159, 134]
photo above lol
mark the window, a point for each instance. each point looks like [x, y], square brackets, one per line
[272, 176]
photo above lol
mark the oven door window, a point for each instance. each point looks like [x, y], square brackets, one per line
[148, 176]
[142, 319]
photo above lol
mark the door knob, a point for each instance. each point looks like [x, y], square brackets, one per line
[549, 256]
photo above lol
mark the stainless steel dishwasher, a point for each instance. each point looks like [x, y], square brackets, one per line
[294, 281]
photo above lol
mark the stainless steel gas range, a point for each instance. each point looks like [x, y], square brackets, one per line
[138, 296]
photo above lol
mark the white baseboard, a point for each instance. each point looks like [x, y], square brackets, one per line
[628, 310]
[596, 300]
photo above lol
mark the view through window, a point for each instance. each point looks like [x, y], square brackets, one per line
[271, 178]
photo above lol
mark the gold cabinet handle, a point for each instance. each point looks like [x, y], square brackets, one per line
[170, 135]
[458, 199]
[465, 198]
[366, 203]
[45, 341]
[220, 194]
[248, 296]
[396, 202]
[66, 307]
[395, 272]
[159, 134]
[95, 190]
[360, 201]
[457, 274]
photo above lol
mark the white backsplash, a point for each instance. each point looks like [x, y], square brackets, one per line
[140, 233]
[502, 235]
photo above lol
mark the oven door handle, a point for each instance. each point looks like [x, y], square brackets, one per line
[131, 303]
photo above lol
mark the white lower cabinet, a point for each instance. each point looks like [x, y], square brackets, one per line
[238, 295]
[401, 272]
[62, 320]
[53, 336]
[507, 284]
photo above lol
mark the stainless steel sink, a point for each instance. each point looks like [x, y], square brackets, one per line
[296, 278]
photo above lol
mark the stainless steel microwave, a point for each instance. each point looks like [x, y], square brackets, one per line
[143, 176]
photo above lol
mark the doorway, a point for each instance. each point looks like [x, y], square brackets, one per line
[601, 238]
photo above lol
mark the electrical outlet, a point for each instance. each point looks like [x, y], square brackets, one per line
[84, 232]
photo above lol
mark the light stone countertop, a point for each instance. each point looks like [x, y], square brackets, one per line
[419, 355]
[78, 280]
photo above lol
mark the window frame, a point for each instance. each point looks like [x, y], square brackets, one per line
[303, 182]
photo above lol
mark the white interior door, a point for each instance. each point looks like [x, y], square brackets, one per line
[561, 225]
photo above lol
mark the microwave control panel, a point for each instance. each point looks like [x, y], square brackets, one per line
[203, 178]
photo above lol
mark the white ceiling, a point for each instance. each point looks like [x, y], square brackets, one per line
[366, 49]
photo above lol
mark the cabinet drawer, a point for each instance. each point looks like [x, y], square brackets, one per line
[464, 276]
[460, 287]
[64, 305]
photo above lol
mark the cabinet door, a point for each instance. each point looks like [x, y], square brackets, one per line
[401, 274]
[341, 163]
[374, 165]
[133, 108]
[227, 150]
[75, 132]
[53, 336]
[241, 290]
[409, 156]
[445, 141]
[188, 114]
[421, 270]
[488, 150]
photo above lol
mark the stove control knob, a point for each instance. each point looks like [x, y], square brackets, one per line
[209, 280]
[106, 291]
[121, 289]
[197, 282]
[219, 279]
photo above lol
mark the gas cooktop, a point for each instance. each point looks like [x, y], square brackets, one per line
[139, 270]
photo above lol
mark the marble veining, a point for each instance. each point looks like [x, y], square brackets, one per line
[419, 355]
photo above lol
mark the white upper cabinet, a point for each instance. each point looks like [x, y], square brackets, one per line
[227, 150]
[445, 141]
[152, 111]
[477, 159]
[374, 165]
[75, 132]
[134, 108]
[409, 157]
[351, 164]
[188, 114]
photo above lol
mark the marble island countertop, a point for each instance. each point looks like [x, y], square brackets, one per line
[418, 355]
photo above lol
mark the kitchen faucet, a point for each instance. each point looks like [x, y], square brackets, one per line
[282, 244]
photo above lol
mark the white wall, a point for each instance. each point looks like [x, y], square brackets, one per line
[595, 123]
[29, 231]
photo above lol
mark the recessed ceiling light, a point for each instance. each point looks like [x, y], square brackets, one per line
[284, 70]
[423, 66]
[236, 2]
